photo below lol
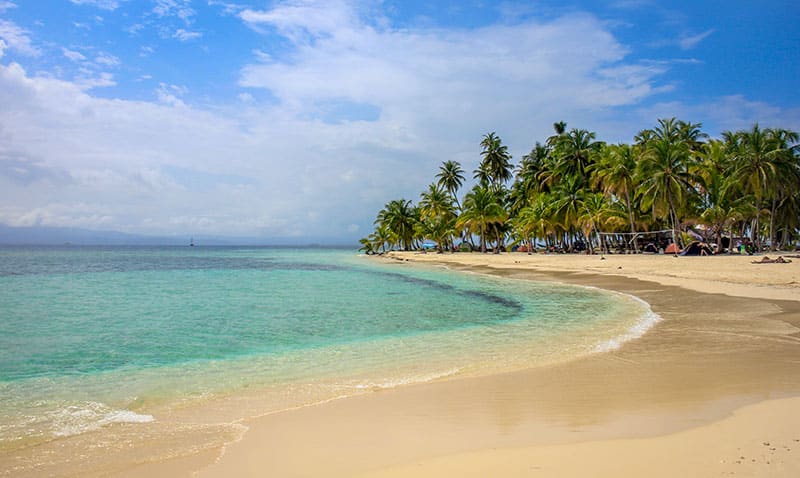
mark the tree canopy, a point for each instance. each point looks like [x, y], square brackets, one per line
[744, 185]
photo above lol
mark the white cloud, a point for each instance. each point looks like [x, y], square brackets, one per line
[88, 80]
[102, 4]
[16, 38]
[467, 82]
[6, 5]
[691, 41]
[73, 55]
[170, 94]
[174, 8]
[135, 28]
[184, 35]
[227, 8]
[107, 60]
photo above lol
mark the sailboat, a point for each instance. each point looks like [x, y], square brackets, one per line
[191, 242]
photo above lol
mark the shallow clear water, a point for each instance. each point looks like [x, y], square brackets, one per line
[93, 336]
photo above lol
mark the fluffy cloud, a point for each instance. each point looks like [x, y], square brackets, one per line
[17, 39]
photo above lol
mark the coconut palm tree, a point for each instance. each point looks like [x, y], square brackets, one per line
[575, 152]
[451, 178]
[593, 211]
[400, 218]
[496, 160]
[437, 215]
[531, 166]
[482, 208]
[615, 174]
[665, 180]
[366, 246]
[435, 202]
[559, 128]
[759, 160]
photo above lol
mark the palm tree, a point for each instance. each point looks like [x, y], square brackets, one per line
[665, 180]
[575, 152]
[788, 178]
[496, 162]
[559, 128]
[366, 246]
[615, 172]
[530, 168]
[435, 202]
[594, 210]
[759, 159]
[438, 229]
[567, 199]
[400, 218]
[437, 215]
[451, 177]
[530, 223]
[481, 209]
[382, 238]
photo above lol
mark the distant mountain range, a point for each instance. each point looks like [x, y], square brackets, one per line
[67, 235]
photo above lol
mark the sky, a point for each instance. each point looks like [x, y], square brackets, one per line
[298, 120]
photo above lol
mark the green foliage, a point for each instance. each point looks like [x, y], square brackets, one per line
[571, 187]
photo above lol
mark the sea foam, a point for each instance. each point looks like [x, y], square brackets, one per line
[88, 416]
[646, 321]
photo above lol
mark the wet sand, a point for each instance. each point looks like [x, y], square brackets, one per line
[711, 390]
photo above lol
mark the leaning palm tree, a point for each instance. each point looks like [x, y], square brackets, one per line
[367, 246]
[481, 209]
[451, 177]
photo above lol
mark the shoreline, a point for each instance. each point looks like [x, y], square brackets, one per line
[719, 371]
[720, 358]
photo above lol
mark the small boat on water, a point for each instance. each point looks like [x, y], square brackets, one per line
[191, 242]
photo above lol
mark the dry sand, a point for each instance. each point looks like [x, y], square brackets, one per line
[713, 389]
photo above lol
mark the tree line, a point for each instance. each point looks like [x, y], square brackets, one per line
[571, 187]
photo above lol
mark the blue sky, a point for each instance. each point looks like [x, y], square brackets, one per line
[300, 119]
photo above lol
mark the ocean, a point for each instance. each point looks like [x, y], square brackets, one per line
[144, 349]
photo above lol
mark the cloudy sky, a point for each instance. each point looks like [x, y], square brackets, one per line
[299, 119]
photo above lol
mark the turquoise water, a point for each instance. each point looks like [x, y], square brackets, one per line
[94, 336]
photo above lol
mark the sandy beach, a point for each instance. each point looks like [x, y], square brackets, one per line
[711, 390]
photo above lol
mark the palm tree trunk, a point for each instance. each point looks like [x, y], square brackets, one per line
[630, 218]
[772, 225]
[673, 220]
[755, 234]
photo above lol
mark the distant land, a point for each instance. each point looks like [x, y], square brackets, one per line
[53, 236]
